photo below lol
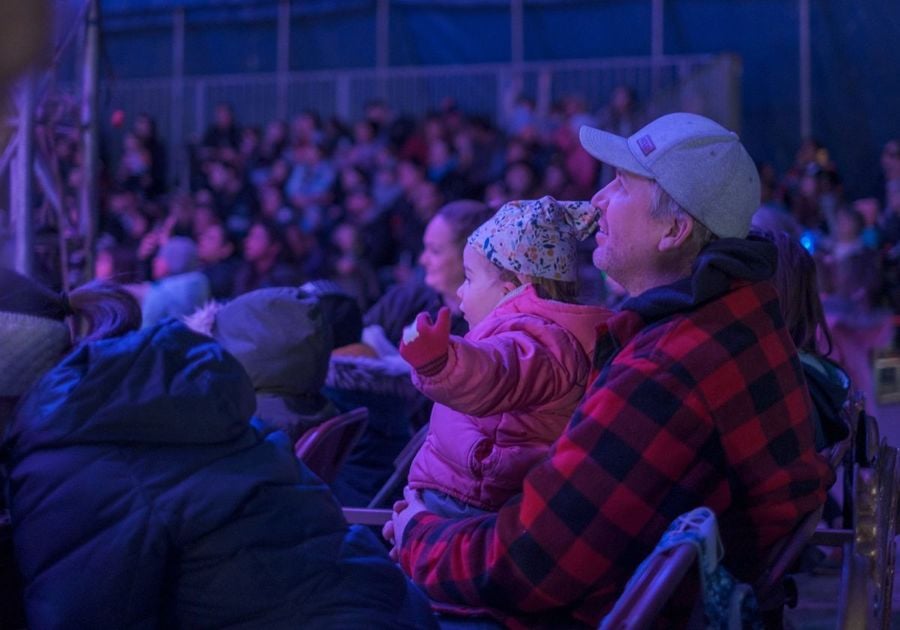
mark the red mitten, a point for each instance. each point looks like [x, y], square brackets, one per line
[425, 347]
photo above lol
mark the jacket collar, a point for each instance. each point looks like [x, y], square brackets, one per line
[719, 268]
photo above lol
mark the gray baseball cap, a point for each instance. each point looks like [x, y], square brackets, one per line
[700, 164]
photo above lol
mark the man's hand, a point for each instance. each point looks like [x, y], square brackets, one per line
[426, 349]
[404, 510]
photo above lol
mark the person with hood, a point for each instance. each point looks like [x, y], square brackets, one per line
[505, 391]
[696, 398]
[281, 338]
[143, 496]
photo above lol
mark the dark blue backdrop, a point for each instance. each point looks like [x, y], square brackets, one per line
[855, 72]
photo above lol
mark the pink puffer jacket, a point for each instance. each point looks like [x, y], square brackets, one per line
[507, 392]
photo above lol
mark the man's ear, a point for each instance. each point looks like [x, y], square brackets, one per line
[678, 233]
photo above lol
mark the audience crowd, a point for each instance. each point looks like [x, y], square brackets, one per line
[310, 198]
[368, 222]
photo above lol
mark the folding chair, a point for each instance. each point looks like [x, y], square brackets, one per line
[403, 461]
[640, 605]
[375, 514]
[324, 447]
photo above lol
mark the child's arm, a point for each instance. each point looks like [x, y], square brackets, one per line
[514, 368]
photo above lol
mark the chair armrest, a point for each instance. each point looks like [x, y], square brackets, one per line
[640, 605]
[367, 516]
[831, 537]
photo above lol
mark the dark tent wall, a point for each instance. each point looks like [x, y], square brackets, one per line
[855, 57]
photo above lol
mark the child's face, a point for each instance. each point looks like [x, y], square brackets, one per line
[482, 288]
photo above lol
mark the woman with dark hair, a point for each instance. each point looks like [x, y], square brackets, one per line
[374, 375]
[135, 461]
[444, 240]
[798, 293]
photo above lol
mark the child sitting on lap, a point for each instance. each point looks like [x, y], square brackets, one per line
[506, 390]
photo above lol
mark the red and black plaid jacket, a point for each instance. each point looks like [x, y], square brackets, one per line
[697, 399]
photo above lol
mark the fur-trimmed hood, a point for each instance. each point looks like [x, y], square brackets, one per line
[279, 335]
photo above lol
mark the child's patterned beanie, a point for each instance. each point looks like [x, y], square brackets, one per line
[536, 238]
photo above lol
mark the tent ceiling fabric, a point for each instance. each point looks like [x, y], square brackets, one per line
[140, 6]
[119, 7]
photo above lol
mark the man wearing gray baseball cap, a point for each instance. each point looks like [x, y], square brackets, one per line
[696, 399]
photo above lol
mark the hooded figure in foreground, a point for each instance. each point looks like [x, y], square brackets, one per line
[142, 495]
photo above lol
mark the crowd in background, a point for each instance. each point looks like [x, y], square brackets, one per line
[310, 198]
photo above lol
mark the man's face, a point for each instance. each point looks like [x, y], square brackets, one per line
[627, 237]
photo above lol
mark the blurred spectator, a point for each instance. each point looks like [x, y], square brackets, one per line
[219, 260]
[306, 128]
[223, 133]
[144, 128]
[579, 167]
[234, 201]
[116, 263]
[521, 180]
[135, 165]
[890, 161]
[364, 147]
[272, 205]
[177, 288]
[265, 261]
[851, 281]
[349, 268]
[271, 148]
[620, 116]
[309, 185]
[870, 211]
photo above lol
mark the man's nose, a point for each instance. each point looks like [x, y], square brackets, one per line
[600, 199]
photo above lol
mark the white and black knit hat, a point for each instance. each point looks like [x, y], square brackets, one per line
[33, 332]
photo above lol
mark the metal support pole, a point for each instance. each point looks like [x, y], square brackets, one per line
[805, 71]
[283, 59]
[90, 161]
[517, 35]
[176, 105]
[657, 28]
[21, 182]
[382, 44]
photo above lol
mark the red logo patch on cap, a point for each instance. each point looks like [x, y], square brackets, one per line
[646, 145]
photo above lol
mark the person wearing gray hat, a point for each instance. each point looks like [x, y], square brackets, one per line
[282, 338]
[697, 400]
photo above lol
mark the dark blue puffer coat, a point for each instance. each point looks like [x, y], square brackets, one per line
[142, 498]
